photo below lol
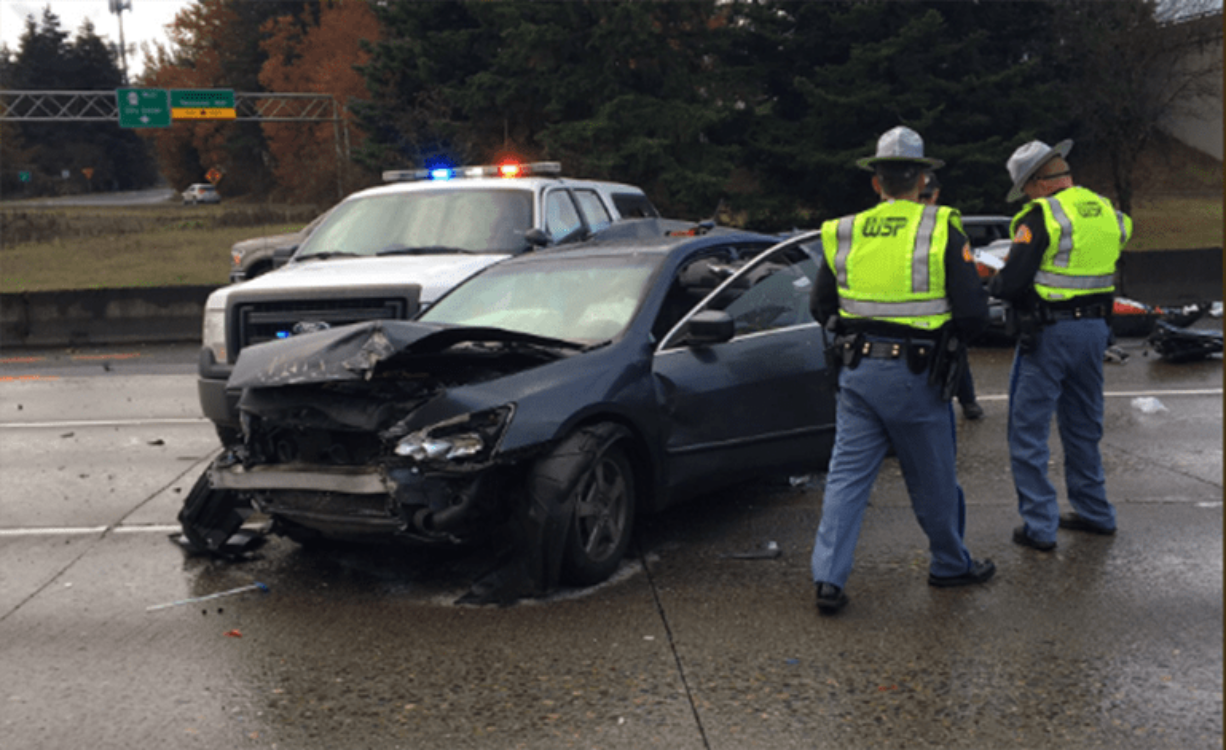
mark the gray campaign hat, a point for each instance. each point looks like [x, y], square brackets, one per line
[902, 145]
[1028, 159]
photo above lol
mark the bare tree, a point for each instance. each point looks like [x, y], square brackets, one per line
[1133, 64]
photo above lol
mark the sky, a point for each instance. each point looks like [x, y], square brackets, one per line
[145, 21]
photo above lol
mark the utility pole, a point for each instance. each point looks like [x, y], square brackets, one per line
[118, 7]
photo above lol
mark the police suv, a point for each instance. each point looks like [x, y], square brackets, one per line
[391, 251]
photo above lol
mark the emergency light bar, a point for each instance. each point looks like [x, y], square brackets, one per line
[508, 169]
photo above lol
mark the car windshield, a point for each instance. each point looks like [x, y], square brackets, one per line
[428, 221]
[578, 299]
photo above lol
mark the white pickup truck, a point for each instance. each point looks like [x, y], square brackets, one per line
[391, 251]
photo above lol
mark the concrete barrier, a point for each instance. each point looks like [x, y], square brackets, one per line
[161, 315]
[153, 315]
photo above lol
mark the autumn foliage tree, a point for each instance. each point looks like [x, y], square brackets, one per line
[316, 52]
[214, 44]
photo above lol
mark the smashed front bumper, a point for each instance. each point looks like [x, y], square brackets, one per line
[365, 501]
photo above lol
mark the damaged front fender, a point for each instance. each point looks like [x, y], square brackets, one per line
[212, 521]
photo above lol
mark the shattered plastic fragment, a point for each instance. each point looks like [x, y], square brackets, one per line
[1148, 405]
[234, 634]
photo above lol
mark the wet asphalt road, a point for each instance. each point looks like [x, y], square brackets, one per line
[1105, 643]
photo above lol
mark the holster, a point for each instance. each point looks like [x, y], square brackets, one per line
[1023, 324]
[920, 354]
[851, 349]
[949, 364]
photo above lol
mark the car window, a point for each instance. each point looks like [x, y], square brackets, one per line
[772, 293]
[486, 221]
[634, 206]
[561, 217]
[593, 209]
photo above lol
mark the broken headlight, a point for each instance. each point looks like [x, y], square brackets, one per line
[469, 436]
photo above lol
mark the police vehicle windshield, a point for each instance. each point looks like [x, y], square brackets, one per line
[489, 220]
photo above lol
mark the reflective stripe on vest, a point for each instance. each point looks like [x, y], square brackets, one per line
[920, 277]
[894, 309]
[1065, 250]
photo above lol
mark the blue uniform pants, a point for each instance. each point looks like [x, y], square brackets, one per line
[882, 402]
[1062, 375]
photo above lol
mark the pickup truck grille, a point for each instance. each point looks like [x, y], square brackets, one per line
[256, 322]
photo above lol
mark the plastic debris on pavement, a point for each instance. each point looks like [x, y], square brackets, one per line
[769, 551]
[1148, 405]
[257, 586]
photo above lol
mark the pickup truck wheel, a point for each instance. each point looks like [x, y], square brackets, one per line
[604, 500]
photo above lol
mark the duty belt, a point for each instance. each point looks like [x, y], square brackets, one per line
[882, 349]
[1075, 313]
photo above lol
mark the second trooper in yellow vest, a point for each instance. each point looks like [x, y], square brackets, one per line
[895, 279]
[1060, 282]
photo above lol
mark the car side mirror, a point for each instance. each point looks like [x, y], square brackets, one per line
[536, 237]
[710, 327]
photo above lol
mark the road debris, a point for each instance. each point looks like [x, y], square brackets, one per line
[1148, 405]
[769, 551]
[257, 586]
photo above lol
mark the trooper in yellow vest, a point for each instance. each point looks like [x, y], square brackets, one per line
[1059, 281]
[899, 288]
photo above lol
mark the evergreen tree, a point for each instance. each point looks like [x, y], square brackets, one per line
[48, 60]
[837, 75]
[613, 90]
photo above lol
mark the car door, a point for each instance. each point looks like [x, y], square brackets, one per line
[759, 402]
[562, 218]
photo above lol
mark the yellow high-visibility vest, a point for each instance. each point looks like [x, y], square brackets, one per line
[1086, 234]
[889, 263]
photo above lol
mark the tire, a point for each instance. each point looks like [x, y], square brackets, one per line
[604, 502]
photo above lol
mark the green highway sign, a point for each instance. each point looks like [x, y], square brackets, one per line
[202, 104]
[143, 108]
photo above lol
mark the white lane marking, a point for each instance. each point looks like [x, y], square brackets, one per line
[85, 530]
[1130, 394]
[54, 531]
[150, 528]
[104, 423]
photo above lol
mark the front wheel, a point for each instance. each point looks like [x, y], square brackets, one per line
[604, 500]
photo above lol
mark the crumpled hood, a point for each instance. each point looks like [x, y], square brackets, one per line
[353, 352]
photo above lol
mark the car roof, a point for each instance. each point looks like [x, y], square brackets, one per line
[646, 236]
[485, 183]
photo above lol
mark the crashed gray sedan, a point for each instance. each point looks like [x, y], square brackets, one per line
[538, 407]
